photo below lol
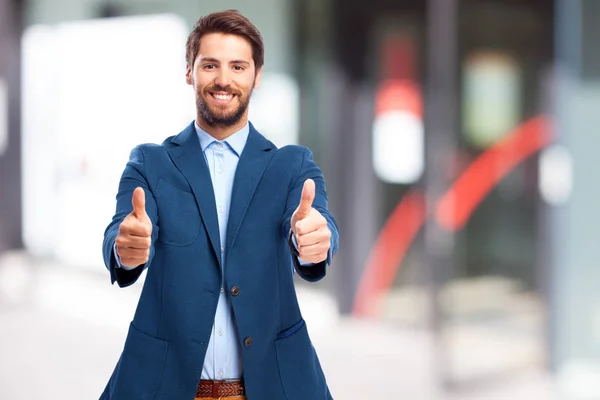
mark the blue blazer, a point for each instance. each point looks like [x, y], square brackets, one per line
[168, 337]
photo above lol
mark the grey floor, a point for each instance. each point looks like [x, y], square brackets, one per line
[62, 328]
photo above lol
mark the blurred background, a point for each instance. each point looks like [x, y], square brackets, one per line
[459, 140]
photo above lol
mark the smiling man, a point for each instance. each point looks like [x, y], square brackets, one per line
[220, 218]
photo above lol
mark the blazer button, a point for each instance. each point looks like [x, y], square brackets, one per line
[248, 342]
[235, 291]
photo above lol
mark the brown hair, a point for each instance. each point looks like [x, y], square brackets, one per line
[230, 22]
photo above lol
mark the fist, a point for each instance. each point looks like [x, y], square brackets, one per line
[310, 228]
[134, 238]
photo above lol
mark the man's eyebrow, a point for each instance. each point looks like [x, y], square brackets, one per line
[215, 61]
[209, 59]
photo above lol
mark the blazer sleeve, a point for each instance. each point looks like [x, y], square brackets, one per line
[133, 176]
[309, 170]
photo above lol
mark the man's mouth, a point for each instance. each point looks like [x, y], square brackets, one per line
[222, 97]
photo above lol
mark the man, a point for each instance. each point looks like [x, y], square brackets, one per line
[220, 218]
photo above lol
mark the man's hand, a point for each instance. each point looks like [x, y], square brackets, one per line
[134, 238]
[310, 228]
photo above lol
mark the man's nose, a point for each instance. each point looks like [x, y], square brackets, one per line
[222, 79]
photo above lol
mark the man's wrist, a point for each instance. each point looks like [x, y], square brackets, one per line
[118, 260]
[293, 244]
[295, 249]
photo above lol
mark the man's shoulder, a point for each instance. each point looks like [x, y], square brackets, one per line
[168, 143]
[289, 156]
[151, 150]
[293, 151]
[153, 147]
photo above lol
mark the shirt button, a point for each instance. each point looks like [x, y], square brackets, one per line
[219, 144]
[221, 209]
[222, 250]
[220, 373]
[219, 171]
[222, 290]
[220, 332]
[248, 342]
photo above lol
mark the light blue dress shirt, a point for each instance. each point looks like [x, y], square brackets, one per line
[224, 355]
[223, 358]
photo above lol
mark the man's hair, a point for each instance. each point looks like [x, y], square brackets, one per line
[229, 22]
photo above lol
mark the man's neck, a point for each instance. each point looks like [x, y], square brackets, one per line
[221, 132]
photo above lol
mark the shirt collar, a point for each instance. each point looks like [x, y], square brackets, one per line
[236, 142]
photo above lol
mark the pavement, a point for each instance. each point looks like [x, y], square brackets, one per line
[62, 329]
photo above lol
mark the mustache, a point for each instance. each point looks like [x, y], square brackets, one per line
[219, 88]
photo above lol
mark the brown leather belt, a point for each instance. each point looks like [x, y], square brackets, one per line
[217, 389]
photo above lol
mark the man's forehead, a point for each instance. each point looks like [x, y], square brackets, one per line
[219, 44]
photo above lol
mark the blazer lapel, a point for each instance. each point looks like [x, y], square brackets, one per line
[188, 158]
[252, 164]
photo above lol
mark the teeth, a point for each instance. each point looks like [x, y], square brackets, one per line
[223, 96]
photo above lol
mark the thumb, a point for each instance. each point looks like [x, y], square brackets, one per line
[307, 198]
[138, 200]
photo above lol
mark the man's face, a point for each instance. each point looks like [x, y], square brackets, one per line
[223, 77]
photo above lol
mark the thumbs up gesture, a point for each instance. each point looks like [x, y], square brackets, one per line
[310, 227]
[134, 238]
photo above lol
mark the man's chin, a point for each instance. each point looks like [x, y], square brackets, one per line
[223, 120]
[223, 116]
[223, 111]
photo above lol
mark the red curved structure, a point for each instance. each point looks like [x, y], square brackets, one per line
[456, 206]
[390, 248]
[452, 211]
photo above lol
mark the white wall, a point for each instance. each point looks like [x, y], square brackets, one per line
[93, 89]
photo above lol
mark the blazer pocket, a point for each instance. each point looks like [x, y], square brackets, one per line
[141, 366]
[291, 330]
[299, 368]
[178, 215]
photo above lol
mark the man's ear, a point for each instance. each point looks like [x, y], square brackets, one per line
[258, 78]
[189, 74]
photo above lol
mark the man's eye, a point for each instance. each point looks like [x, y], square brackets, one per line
[210, 66]
[238, 68]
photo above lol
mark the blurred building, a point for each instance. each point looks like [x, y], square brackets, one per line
[458, 139]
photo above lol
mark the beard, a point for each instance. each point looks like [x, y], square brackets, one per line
[221, 117]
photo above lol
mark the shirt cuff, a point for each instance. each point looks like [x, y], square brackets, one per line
[118, 259]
